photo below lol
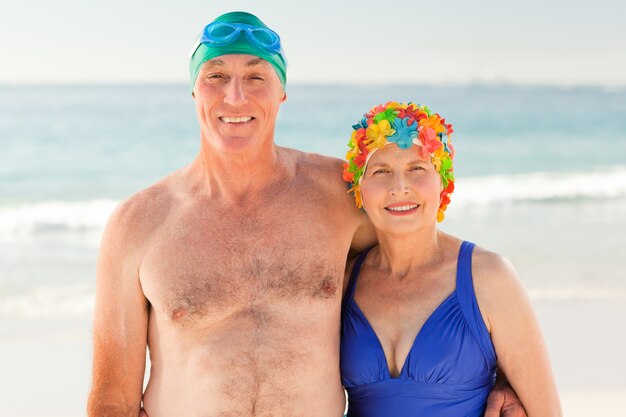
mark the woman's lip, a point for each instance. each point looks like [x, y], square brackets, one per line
[402, 209]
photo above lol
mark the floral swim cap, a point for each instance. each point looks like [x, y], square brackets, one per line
[404, 124]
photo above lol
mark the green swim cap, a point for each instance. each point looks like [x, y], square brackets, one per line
[249, 36]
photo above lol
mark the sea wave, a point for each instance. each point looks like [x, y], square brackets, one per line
[55, 216]
[607, 184]
[576, 293]
[77, 301]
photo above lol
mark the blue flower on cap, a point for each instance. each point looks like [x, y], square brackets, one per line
[406, 131]
[361, 124]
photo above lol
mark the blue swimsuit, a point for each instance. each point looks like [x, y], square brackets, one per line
[449, 370]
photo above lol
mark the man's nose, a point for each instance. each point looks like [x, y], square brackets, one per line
[235, 93]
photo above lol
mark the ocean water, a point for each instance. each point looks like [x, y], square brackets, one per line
[541, 178]
[69, 154]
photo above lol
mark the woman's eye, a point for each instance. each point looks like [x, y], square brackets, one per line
[380, 171]
[417, 168]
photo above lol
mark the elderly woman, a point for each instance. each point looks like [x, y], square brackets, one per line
[427, 317]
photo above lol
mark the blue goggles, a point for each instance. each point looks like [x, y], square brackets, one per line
[221, 34]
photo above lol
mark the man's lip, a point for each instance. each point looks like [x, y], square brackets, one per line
[236, 119]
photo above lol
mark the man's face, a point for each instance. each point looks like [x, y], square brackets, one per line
[237, 101]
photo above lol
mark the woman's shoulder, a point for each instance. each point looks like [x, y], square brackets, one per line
[486, 265]
[496, 283]
[490, 266]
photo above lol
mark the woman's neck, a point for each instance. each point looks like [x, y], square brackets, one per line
[399, 255]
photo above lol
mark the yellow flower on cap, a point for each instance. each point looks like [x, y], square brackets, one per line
[377, 134]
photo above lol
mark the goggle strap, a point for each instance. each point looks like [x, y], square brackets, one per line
[196, 45]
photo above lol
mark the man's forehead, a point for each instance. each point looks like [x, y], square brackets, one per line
[222, 61]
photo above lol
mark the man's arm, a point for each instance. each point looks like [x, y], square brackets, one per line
[120, 324]
[364, 237]
[503, 401]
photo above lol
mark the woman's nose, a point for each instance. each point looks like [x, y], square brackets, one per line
[399, 185]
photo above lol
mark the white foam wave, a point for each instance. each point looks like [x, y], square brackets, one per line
[541, 186]
[577, 293]
[486, 190]
[55, 215]
[50, 302]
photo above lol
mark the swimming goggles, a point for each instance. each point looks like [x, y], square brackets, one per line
[221, 34]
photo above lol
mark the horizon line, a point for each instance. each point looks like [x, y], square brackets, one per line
[469, 83]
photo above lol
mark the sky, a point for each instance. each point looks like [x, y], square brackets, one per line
[326, 41]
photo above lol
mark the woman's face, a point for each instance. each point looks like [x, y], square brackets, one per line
[401, 190]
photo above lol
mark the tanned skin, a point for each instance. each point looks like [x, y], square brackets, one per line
[230, 270]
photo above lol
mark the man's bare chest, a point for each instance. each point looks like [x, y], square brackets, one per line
[209, 268]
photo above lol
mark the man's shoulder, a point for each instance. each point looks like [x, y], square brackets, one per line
[323, 178]
[314, 159]
[320, 168]
[142, 212]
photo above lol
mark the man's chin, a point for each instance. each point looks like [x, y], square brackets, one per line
[235, 144]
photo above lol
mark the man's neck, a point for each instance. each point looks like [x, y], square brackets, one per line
[236, 178]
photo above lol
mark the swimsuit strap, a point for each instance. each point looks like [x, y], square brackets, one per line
[468, 303]
[464, 284]
[354, 276]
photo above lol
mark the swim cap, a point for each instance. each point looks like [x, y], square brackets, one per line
[238, 33]
[404, 124]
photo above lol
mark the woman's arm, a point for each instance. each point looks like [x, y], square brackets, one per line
[515, 332]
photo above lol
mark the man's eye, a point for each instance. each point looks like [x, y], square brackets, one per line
[215, 76]
[257, 77]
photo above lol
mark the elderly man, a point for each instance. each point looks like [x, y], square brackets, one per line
[230, 269]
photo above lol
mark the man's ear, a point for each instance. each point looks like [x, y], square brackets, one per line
[284, 97]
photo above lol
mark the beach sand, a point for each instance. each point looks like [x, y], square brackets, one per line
[586, 344]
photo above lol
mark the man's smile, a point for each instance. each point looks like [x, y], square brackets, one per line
[236, 119]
